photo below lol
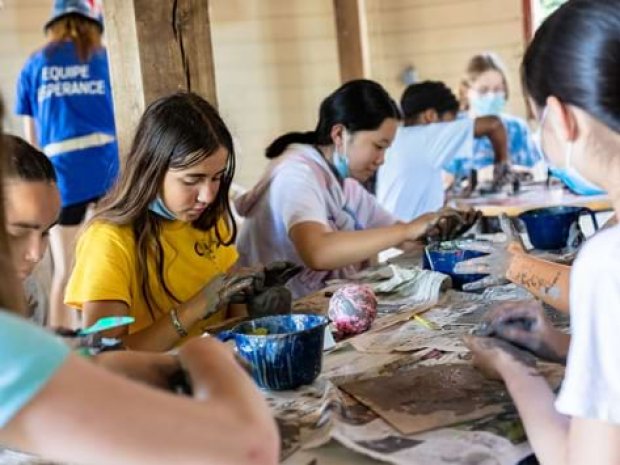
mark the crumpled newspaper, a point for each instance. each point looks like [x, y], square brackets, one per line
[397, 287]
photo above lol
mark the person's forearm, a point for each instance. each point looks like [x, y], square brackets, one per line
[223, 380]
[162, 335]
[548, 281]
[30, 131]
[333, 250]
[133, 424]
[493, 128]
[499, 142]
[547, 430]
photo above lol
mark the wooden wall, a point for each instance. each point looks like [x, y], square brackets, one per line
[275, 60]
[21, 33]
[439, 36]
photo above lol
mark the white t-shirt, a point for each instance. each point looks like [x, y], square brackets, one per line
[409, 183]
[591, 388]
[298, 187]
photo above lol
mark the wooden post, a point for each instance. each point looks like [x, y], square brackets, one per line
[528, 33]
[154, 49]
[528, 29]
[352, 36]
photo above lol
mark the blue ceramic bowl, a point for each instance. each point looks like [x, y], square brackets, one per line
[548, 228]
[445, 256]
[285, 351]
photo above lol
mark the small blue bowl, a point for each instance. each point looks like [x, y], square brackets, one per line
[445, 256]
[289, 355]
[548, 228]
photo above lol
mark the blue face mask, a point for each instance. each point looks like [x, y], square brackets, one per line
[341, 160]
[575, 182]
[489, 103]
[569, 175]
[158, 207]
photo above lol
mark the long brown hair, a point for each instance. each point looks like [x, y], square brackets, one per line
[11, 293]
[478, 64]
[175, 132]
[83, 32]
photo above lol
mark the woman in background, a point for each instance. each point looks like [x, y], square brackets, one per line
[64, 94]
[485, 93]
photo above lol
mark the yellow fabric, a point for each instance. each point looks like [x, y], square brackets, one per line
[106, 269]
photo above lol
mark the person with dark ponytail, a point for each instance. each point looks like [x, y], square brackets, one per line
[571, 71]
[309, 208]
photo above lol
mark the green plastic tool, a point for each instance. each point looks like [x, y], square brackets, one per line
[106, 323]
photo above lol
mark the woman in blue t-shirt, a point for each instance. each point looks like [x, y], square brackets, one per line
[64, 94]
[484, 92]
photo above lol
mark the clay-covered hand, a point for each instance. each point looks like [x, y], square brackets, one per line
[147, 367]
[279, 273]
[495, 357]
[276, 300]
[469, 218]
[448, 224]
[502, 174]
[525, 325]
[232, 287]
[268, 296]
[498, 260]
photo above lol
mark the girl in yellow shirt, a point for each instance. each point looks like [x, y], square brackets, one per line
[160, 245]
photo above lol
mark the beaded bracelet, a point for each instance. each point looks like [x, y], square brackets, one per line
[177, 323]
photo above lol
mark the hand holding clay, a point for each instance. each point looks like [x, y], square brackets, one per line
[502, 174]
[498, 261]
[446, 224]
[469, 218]
[232, 287]
[276, 300]
[495, 357]
[266, 295]
[279, 273]
[526, 326]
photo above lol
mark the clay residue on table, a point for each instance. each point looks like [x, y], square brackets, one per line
[429, 397]
[458, 388]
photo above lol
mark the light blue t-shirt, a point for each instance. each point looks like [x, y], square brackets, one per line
[29, 357]
[521, 149]
[409, 183]
[71, 104]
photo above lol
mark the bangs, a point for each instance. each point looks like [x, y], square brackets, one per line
[193, 158]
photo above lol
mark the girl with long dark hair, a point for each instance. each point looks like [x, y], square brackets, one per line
[571, 72]
[159, 245]
[310, 208]
[48, 395]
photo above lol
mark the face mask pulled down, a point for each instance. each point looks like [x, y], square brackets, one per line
[340, 159]
[158, 207]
